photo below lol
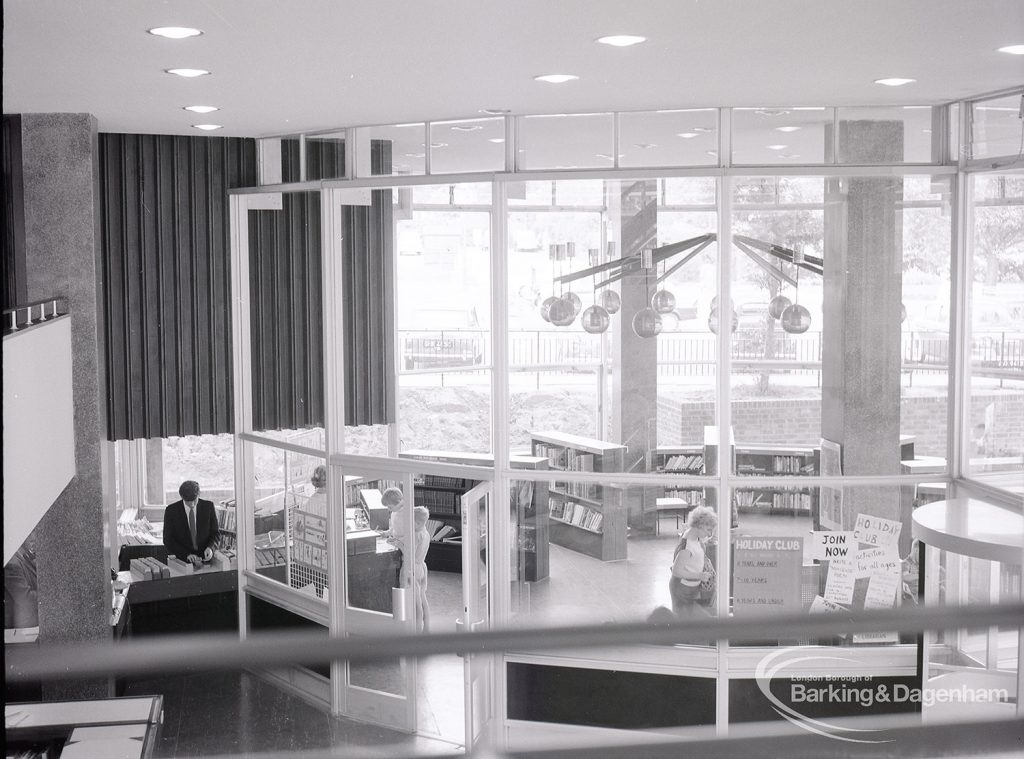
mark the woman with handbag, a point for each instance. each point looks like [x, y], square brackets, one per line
[689, 568]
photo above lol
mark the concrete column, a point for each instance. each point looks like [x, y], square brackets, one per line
[863, 288]
[635, 384]
[155, 471]
[62, 251]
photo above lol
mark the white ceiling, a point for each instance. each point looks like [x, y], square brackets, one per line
[283, 67]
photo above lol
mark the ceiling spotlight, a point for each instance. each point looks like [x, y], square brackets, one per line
[894, 81]
[687, 135]
[1012, 49]
[436, 144]
[644, 145]
[770, 112]
[556, 78]
[187, 73]
[467, 127]
[703, 130]
[175, 32]
[712, 153]
[208, 127]
[621, 40]
[201, 108]
[787, 129]
[790, 155]
[776, 147]
[415, 155]
[495, 111]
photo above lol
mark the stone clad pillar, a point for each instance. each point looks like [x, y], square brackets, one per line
[635, 381]
[62, 257]
[861, 357]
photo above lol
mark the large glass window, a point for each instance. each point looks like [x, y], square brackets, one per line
[996, 413]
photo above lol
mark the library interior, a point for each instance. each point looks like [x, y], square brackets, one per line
[461, 394]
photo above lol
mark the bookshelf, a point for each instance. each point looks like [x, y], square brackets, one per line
[528, 502]
[585, 517]
[766, 461]
[685, 459]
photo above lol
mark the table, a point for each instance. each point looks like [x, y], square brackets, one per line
[108, 727]
[673, 506]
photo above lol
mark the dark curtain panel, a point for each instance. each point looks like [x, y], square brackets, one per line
[166, 264]
[286, 314]
[14, 214]
[287, 309]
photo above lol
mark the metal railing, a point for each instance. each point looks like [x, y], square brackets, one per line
[692, 354]
[20, 317]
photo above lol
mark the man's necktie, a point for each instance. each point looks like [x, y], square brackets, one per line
[192, 526]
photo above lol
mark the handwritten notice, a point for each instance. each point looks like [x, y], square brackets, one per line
[877, 531]
[877, 561]
[828, 545]
[821, 605]
[766, 574]
[842, 576]
[882, 590]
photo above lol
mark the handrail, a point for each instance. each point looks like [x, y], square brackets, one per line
[58, 306]
[267, 650]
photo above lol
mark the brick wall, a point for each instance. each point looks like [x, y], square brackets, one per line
[798, 422]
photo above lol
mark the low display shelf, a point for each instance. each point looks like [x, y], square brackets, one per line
[585, 517]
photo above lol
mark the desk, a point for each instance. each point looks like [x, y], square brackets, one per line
[110, 727]
[371, 576]
[204, 601]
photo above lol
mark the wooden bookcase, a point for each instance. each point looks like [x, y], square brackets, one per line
[588, 518]
[528, 504]
[681, 459]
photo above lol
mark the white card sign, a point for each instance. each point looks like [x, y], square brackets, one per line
[882, 590]
[877, 531]
[880, 560]
[821, 605]
[842, 576]
[827, 545]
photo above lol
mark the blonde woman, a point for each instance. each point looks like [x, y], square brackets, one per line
[688, 561]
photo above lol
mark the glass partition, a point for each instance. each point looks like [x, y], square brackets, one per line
[669, 138]
[781, 135]
[566, 141]
[467, 145]
[995, 127]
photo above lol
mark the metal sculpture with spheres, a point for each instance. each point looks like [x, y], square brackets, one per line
[595, 320]
[663, 302]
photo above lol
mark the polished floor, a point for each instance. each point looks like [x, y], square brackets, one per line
[254, 717]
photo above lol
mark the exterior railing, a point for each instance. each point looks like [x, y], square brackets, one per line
[690, 354]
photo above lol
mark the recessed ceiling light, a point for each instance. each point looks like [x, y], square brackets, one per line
[435, 144]
[1013, 49]
[467, 127]
[495, 139]
[621, 40]
[770, 112]
[175, 32]
[790, 155]
[687, 135]
[201, 108]
[208, 127]
[415, 155]
[644, 145]
[704, 130]
[787, 129]
[712, 152]
[495, 111]
[927, 131]
[187, 73]
[894, 81]
[556, 78]
[776, 147]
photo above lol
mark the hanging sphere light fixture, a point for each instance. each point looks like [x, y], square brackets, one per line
[713, 321]
[574, 302]
[545, 307]
[796, 319]
[647, 323]
[663, 301]
[561, 313]
[610, 301]
[595, 320]
[777, 305]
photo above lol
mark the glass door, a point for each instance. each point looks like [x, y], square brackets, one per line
[377, 595]
[479, 667]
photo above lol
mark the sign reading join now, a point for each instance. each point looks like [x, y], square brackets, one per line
[827, 545]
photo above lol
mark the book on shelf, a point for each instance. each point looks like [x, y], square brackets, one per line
[792, 465]
[577, 514]
[555, 454]
[685, 463]
[691, 497]
[445, 502]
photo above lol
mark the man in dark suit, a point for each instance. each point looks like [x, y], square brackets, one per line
[190, 525]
